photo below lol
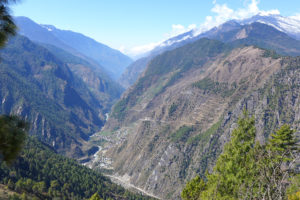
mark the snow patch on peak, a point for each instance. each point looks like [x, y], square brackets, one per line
[289, 25]
[48, 27]
[173, 41]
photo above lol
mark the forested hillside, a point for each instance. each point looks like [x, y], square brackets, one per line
[62, 110]
[41, 173]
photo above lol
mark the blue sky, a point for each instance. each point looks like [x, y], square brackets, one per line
[134, 26]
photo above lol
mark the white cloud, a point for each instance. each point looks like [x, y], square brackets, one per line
[178, 29]
[223, 13]
[138, 51]
[192, 26]
[220, 14]
[296, 17]
[270, 12]
[122, 49]
[144, 48]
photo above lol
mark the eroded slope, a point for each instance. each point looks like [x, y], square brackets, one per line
[174, 121]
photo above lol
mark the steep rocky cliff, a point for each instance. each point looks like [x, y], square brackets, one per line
[173, 123]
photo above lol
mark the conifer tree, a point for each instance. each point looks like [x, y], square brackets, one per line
[95, 197]
[193, 189]
[235, 167]
[12, 136]
[7, 25]
[7, 29]
[248, 170]
[278, 163]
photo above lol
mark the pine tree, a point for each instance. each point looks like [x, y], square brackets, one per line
[249, 170]
[193, 189]
[8, 27]
[282, 144]
[95, 197]
[277, 166]
[235, 167]
[12, 136]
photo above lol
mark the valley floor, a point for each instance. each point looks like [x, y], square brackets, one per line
[127, 185]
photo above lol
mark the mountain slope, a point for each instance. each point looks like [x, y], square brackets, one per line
[261, 35]
[133, 71]
[112, 60]
[276, 27]
[40, 87]
[288, 25]
[101, 85]
[42, 173]
[173, 123]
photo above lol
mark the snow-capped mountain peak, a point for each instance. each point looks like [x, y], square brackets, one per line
[288, 25]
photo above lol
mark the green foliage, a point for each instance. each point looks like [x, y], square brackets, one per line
[95, 197]
[209, 85]
[295, 196]
[172, 109]
[47, 175]
[282, 141]
[8, 27]
[231, 170]
[271, 53]
[205, 136]
[193, 189]
[14, 197]
[205, 84]
[182, 133]
[248, 170]
[277, 161]
[120, 108]
[12, 136]
[42, 88]
[293, 190]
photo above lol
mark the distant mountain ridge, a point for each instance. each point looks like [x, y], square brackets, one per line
[290, 31]
[113, 61]
[288, 25]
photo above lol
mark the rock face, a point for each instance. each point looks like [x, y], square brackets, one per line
[173, 123]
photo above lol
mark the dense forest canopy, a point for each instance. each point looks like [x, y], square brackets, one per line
[47, 175]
